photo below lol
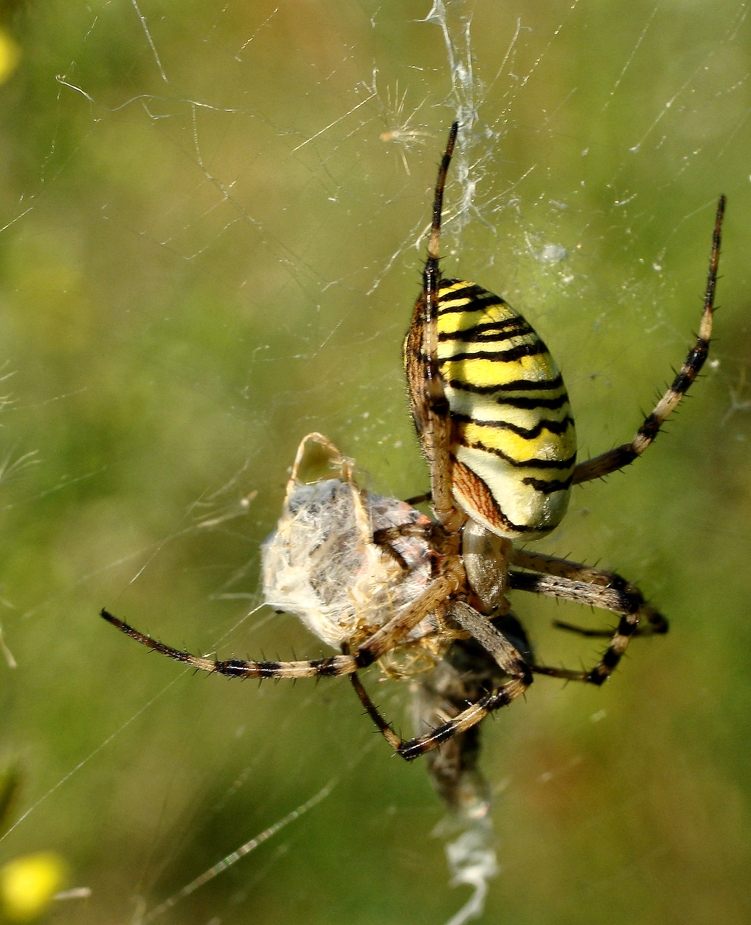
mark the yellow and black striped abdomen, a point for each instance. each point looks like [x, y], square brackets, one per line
[513, 436]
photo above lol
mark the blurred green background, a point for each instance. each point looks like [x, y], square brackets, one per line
[208, 226]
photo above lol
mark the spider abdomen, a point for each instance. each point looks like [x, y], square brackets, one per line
[513, 441]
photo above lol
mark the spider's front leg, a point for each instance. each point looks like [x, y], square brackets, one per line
[507, 657]
[566, 580]
[427, 394]
[625, 454]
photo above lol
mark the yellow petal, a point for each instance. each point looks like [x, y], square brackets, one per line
[10, 55]
[28, 883]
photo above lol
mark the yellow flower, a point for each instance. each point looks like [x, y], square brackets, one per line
[10, 55]
[28, 883]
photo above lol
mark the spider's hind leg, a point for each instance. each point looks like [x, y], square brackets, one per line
[566, 580]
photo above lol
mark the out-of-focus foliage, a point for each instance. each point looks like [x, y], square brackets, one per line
[10, 783]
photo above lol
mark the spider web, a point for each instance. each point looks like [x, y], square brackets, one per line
[212, 234]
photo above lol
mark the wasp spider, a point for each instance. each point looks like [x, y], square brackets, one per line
[493, 417]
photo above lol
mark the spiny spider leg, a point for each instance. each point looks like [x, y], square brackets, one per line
[419, 499]
[506, 655]
[431, 533]
[430, 407]
[381, 642]
[236, 668]
[626, 453]
[595, 588]
[601, 634]
[629, 595]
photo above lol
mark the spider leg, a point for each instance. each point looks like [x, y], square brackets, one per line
[425, 531]
[386, 729]
[466, 672]
[626, 453]
[430, 407]
[419, 499]
[376, 646]
[386, 537]
[505, 654]
[431, 533]
[386, 544]
[393, 633]
[584, 585]
[630, 595]
[236, 668]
